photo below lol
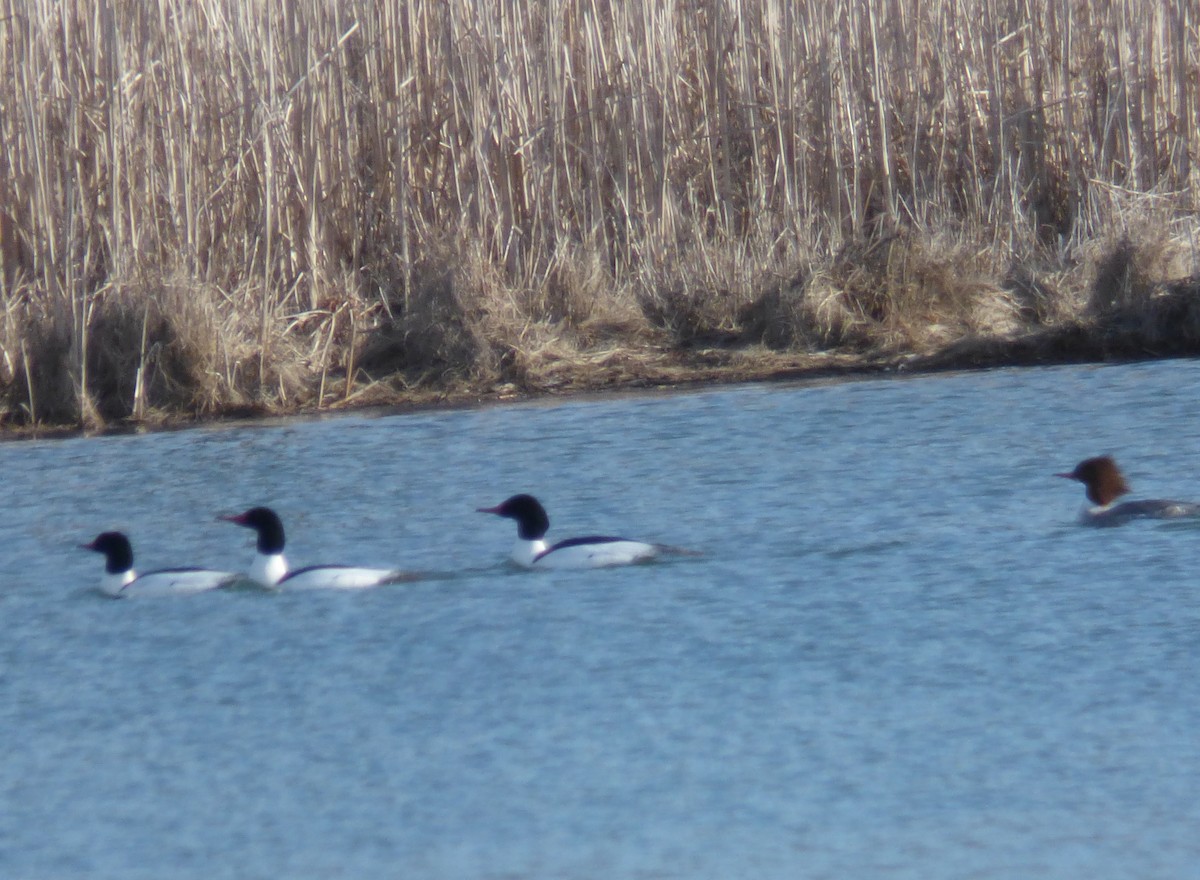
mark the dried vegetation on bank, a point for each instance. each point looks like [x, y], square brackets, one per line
[216, 207]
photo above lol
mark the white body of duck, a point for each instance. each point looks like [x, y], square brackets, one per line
[270, 568]
[121, 581]
[594, 551]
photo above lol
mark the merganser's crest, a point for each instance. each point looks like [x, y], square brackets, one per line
[267, 526]
[118, 552]
[1101, 477]
[532, 521]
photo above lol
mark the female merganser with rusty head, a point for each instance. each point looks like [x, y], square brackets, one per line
[270, 568]
[1105, 484]
[532, 551]
[121, 581]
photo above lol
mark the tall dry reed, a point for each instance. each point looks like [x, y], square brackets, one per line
[216, 203]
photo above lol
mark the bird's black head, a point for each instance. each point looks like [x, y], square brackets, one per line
[532, 522]
[118, 552]
[266, 523]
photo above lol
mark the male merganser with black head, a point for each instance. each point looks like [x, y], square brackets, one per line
[270, 568]
[121, 581]
[1105, 484]
[531, 550]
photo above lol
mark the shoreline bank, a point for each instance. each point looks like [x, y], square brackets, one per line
[656, 372]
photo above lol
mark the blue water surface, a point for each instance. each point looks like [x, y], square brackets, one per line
[898, 656]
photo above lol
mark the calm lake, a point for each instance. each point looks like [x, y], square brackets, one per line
[899, 656]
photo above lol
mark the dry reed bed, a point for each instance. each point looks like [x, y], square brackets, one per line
[210, 205]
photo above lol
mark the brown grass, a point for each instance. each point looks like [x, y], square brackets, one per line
[219, 206]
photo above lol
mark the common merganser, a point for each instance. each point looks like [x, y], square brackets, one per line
[120, 580]
[594, 551]
[1105, 484]
[270, 568]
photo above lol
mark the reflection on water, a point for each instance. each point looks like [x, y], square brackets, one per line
[898, 655]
